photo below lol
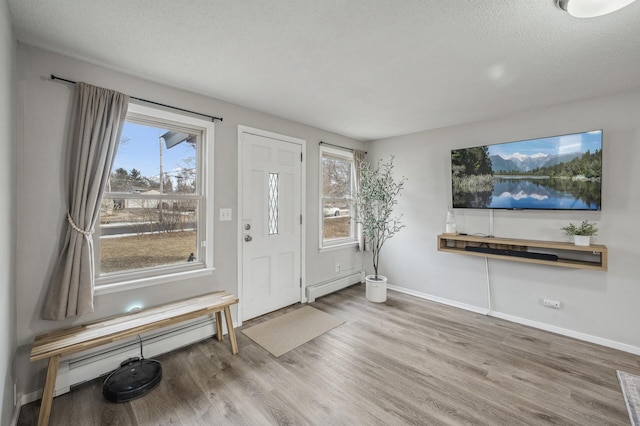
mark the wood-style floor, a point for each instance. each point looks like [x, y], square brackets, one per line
[407, 361]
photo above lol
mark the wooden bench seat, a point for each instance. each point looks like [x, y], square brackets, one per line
[55, 344]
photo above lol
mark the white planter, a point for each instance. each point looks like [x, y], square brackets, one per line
[376, 290]
[582, 240]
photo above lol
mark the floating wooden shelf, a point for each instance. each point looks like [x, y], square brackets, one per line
[592, 257]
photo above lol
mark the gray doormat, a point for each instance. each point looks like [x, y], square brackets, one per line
[281, 334]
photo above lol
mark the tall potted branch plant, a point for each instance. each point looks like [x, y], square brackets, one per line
[375, 200]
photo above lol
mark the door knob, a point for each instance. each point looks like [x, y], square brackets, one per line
[248, 238]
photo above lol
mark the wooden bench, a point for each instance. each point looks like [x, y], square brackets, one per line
[55, 344]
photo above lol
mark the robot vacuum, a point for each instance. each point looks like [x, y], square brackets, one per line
[134, 378]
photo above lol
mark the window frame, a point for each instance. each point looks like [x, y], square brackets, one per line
[156, 116]
[352, 240]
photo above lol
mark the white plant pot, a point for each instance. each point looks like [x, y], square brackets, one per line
[376, 290]
[582, 240]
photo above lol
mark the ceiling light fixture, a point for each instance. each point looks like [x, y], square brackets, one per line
[591, 8]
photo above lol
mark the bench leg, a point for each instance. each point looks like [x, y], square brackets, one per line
[219, 325]
[232, 333]
[47, 392]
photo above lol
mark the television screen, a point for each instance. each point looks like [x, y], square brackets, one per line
[553, 173]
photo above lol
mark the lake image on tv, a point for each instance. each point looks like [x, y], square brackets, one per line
[562, 172]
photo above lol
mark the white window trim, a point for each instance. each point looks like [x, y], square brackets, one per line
[343, 242]
[138, 279]
[339, 246]
[117, 287]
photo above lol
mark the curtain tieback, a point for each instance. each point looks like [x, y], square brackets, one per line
[77, 228]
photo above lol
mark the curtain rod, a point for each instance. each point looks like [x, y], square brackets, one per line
[53, 77]
[338, 146]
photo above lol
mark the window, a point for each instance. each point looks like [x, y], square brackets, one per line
[273, 203]
[153, 215]
[336, 189]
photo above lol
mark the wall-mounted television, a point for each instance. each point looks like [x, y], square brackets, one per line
[553, 173]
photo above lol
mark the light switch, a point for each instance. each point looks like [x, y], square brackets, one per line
[225, 215]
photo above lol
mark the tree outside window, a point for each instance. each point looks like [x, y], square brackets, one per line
[152, 220]
[337, 188]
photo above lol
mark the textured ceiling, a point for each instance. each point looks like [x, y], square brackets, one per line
[367, 69]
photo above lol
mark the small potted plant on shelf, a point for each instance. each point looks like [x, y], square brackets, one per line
[375, 201]
[582, 233]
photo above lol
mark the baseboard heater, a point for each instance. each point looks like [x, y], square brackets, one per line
[92, 365]
[327, 287]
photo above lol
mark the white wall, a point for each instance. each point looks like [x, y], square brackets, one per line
[7, 215]
[42, 126]
[600, 306]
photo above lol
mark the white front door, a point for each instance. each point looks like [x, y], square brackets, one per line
[271, 216]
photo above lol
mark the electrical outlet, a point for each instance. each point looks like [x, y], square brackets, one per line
[551, 303]
[337, 267]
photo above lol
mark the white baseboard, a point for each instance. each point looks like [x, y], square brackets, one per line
[466, 307]
[535, 324]
[89, 366]
[569, 333]
[322, 289]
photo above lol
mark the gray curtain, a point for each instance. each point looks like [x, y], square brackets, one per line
[96, 126]
[358, 158]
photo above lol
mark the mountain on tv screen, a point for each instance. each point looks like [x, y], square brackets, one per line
[552, 173]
